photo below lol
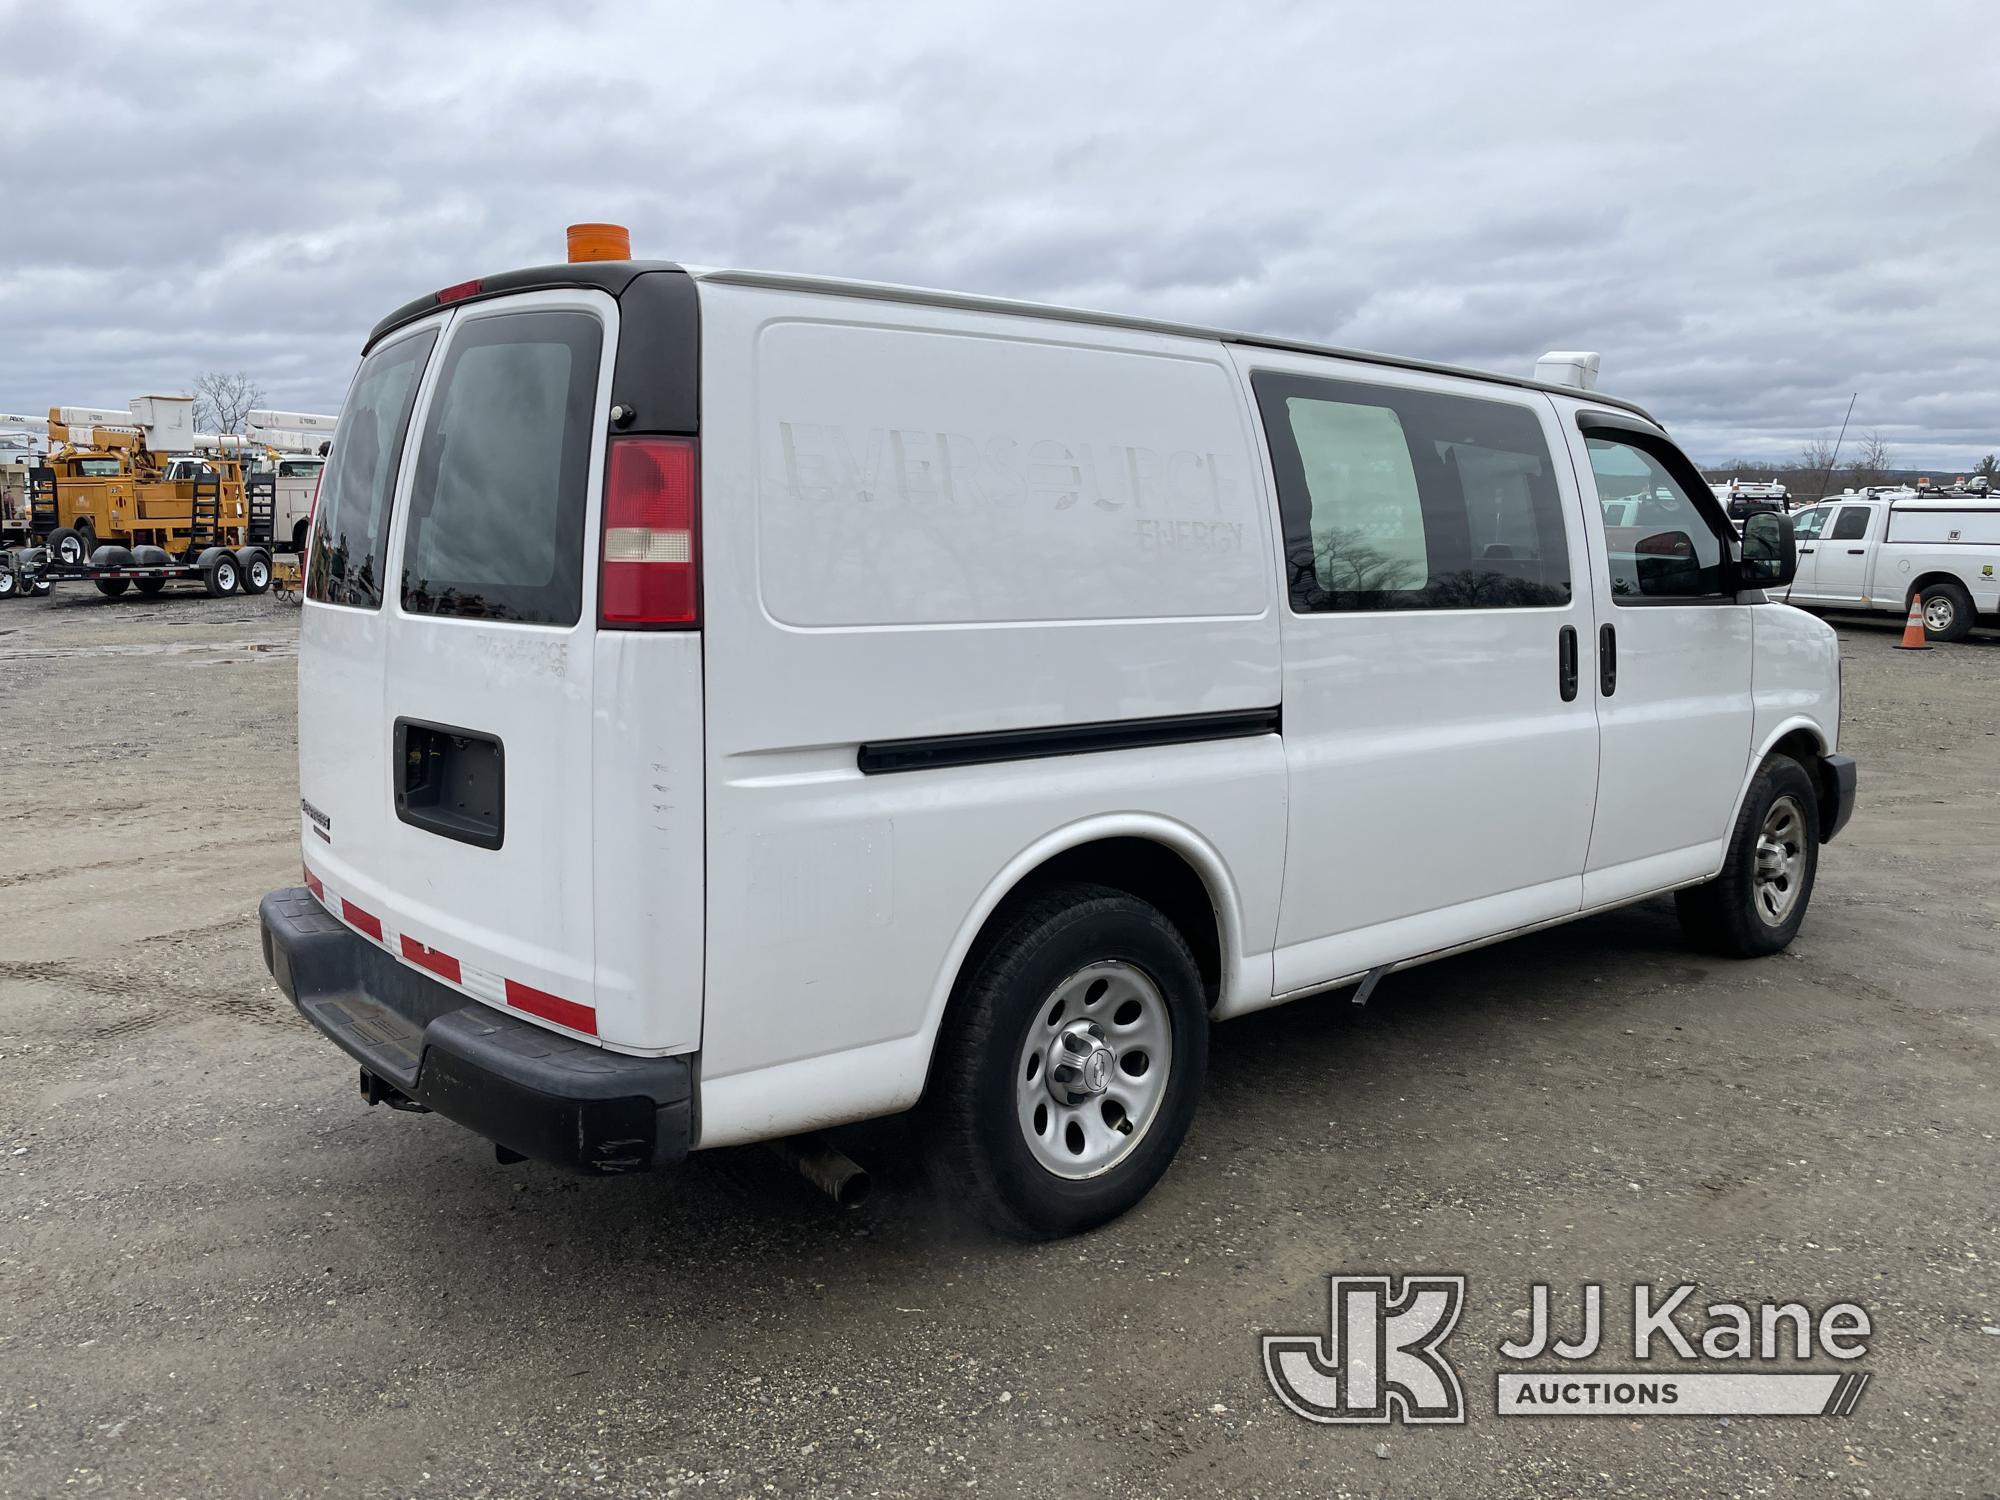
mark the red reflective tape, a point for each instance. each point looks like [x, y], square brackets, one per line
[367, 922]
[552, 1007]
[442, 964]
[314, 884]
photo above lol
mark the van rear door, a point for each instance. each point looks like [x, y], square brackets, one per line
[480, 775]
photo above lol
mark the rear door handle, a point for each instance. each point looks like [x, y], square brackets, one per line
[1566, 663]
[451, 782]
[1607, 660]
[1856, 551]
[1805, 552]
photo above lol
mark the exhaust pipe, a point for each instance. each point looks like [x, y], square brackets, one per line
[827, 1168]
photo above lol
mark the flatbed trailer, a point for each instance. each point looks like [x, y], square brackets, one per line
[220, 568]
[220, 571]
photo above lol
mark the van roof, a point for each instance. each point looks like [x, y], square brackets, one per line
[614, 276]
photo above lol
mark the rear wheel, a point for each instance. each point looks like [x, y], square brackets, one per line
[221, 577]
[254, 564]
[1068, 1070]
[149, 586]
[10, 581]
[111, 588]
[299, 539]
[1948, 612]
[1754, 907]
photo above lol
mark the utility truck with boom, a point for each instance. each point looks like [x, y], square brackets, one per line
[122, 502]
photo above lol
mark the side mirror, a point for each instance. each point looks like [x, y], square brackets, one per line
[1770, 552]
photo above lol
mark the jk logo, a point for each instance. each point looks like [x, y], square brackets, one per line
[1381, 1361]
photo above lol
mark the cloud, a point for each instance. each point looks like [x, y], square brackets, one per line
[1751, 210]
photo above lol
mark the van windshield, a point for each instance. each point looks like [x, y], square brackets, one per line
[350, 540]
[496, 512]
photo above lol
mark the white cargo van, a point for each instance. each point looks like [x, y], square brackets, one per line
[735, 704]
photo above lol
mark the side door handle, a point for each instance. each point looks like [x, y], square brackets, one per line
[1856, 551]
[1805, 552]
[1607, 659]
[1566, 663]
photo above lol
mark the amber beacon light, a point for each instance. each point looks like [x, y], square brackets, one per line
[599, 242]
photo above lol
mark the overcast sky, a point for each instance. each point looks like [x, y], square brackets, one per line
[1753, 209]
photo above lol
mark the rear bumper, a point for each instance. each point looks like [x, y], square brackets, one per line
[1837, 798]
[530, 1090]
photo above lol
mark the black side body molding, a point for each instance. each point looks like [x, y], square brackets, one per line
[883, 756]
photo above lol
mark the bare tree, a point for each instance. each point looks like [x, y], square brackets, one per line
[222, 402]
[1871, 465]
[1816, 457]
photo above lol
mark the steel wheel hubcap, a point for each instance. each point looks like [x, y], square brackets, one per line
[1781, 861]
[1093, 1069]
[1938, 614]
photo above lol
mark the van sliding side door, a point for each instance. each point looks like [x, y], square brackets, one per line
[1440, 737]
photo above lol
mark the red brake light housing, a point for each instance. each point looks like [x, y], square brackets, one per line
[458, 291]
[649, 573]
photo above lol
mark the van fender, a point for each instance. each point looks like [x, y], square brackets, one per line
[1771, 740]
[1238, 979]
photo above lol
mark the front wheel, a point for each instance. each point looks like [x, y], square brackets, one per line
[1948, 612]
[1069, 1066]
[1754, 907]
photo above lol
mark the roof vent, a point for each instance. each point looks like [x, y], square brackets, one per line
[1571, 367]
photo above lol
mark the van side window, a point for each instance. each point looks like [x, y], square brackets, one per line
[496, 512]
[1851, 525]
[347, 562]
[1396, 498]
[1660, 542]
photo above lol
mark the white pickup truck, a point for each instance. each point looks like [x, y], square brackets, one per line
[1877, 552]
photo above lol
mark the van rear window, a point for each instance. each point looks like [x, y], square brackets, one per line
[347, 562]
[496, 512]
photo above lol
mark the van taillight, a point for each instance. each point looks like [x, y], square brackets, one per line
[651, 569]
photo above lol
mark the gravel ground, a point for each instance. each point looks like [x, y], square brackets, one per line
[220, 1274]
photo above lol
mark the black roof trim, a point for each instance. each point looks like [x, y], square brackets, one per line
[611, 276]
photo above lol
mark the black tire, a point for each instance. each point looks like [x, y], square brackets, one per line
[1733, 915]
[299, 538]
[254, 565]
[41, 588]
[89, 535]
[66, 545]
[221, 576]
[1955, 604]
[974, 1135]
[149, 586]
[10, 581]
[111, 588]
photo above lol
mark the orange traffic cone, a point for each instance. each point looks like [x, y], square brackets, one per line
[1913, 627]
